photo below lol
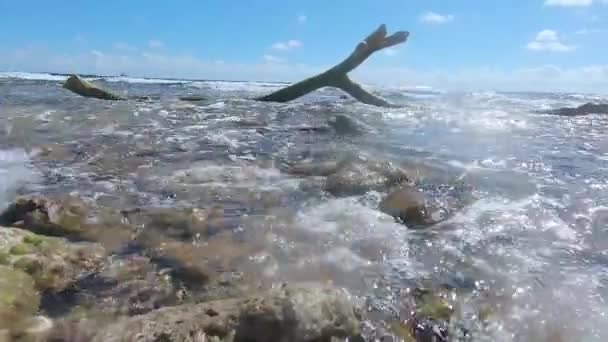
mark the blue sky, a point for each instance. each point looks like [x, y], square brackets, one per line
[465, 44]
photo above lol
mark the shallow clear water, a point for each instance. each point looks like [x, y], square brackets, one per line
[533, 244]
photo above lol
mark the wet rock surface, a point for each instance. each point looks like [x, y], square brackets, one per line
[409, 206]
[359, 174]
[585, 109]
[283, 314]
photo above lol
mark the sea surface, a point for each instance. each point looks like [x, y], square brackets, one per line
[533, 243]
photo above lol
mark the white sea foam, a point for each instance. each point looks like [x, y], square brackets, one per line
[32, 76]
[14, 172]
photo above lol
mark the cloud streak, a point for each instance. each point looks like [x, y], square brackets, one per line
[436, 18]
[569, 3]
[287, 46]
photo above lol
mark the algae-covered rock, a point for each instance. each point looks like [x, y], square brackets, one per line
[432, 305]
[19, 298]
[85, 88]
[288, 313]
[61, 217]
[52, 262]
[297, 314]
[68, 217]
[127, 286]
[184, 224]
[198, 264]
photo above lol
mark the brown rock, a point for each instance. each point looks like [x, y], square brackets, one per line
[409, 206]
[298, 314]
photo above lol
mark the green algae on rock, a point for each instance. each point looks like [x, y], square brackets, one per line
[19, 298]
[52, 262]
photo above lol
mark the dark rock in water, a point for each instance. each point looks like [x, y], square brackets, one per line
[298, 314]
[193, 98]
[45, 216]
[359, 175]
[87, 89]
[409, 206]
[586, 109]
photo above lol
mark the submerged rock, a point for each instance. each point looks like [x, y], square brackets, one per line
[325, 168]
[359, 175]
[47, 217]
[53, 263]
[197, 264]
[184, 224]
[586, 109]
[67, 217]
[127, 286]
[85, 88]
[288, 313]
[409, 206]
[345, 125]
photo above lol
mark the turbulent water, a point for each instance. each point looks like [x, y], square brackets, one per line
[532, 245]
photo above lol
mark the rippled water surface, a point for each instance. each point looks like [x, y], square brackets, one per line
[532, 245]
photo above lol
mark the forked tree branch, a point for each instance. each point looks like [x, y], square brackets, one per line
[337, 76]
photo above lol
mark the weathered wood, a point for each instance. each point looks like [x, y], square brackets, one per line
[85, 88]
[337, 76]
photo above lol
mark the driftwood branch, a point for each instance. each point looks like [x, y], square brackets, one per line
[337, 76]
[85, 88]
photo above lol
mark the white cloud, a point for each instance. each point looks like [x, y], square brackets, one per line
[288, 45]
[548, 40]
[569, 3]
[123, 46]
[302, 18]
[155, 44]
[436, 18]
[272, 59]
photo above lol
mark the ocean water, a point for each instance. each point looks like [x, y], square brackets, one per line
[533, 244]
